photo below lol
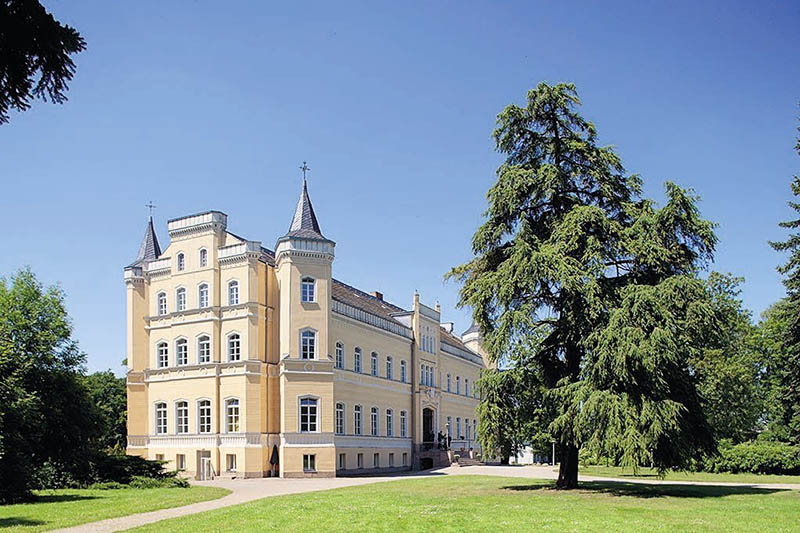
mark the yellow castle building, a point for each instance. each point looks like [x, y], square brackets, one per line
[248, 362]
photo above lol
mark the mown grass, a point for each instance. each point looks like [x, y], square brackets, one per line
[53, 509]
[648, 473]
[487, 503]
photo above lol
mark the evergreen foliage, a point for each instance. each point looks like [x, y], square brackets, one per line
[599, 284]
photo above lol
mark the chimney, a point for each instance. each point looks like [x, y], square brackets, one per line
[448, 327]
[378, 295]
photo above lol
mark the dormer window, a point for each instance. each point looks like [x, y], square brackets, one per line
[162, 303]
[181, 261]
[308, 290]
[180, 300]
[308, 344]
[233, 293]
[203, 258]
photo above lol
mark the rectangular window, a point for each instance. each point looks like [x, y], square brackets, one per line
[391, 459]
[466, 427]
[161, 418]
[403, 371]
[357, 420]
[458, 385]
[466, 386]
[376, 460]
[448, 382]
[233, 293]
[162, 304]
[204, 416]
[403, 424]
[405, 459]
[181, 352]
[308, 415]
[203, 350]
[182, 417]
[373, 418]
[230, 462]
[309, 462]
[339, 425]
[458, 427]
[339, 355]
[374, 364]
[360, 460]
[232, 416]
[234, 347]
[159, 457]
[203, 296]
[389, 369]
[450, 425]
[203, 257]
[389, 423]
[308, 341]
[180, 300]
[342, 461]
[163, 355]
[180, 461]
[357, 360]
[307, 291]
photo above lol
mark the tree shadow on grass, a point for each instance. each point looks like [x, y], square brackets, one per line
[61, 498]
[640, 490]
[12, 521]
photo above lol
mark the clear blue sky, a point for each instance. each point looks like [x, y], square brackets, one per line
[214, 105]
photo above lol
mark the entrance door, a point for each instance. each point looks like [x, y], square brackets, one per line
[427, 426]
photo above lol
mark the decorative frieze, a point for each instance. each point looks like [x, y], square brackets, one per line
[301, 440]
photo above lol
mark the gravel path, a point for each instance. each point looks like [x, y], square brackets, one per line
[245, 490]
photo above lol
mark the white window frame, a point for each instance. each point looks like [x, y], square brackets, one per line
[161, 303]
[181, 423]
[201, 358]
[233, 292]
[403, 423]
[358, 420]
[229, 346]
[403, 371]
[448, 383]
[389, 423]
[159, 345]
[339, 418]
[312, 421]
[159, 415]
[180, 299]
[458, 384]
[374, 421]
[304, 336]
[339, 354]
[357, 360]
[308, 289]
[236, 418]
[202, 295]
[180, 262]
[389, 367]
[202, 418]
[202, 257]
[373, 363]
[309, 462]
[181, 342]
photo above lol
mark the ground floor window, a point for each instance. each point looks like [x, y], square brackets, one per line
[391, 459]
[405, 459]
[309, 462]
[159, 457]
[360, 460]
[376, 460]
[342, 461]
[230, 462]
[180, 461]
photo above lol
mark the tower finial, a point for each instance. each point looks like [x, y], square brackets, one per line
[150, 205]
[305, 169]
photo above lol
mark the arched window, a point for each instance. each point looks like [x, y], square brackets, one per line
[232, 415]
[180, 299]
[339, 426]
[234, 347]
[181, 261]
[181, 352]
[308, 290]
[466, 386]
[474, 429]
[357, 360]
[308, 415]
[162, 303]
[448, 382]
[204, 416]
[161, 418]
[203, 257]
[202, 295]
[373, 418]
[389, 369]
[181, 417]
[458, 384]
[357, 420]
[308, 344]
[466, 427]
[162, 355]
[339, 355]
[203, 349]
[403, 424]
[458, 427]
[403, 371]
[233, 293]
[389, 423]
[374, 363]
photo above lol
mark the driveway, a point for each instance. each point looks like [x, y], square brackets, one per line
[245, 490]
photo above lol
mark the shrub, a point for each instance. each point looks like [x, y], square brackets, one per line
[123, 468]
[107, 485]
[141, 482]
[52, 476]
[759, 457]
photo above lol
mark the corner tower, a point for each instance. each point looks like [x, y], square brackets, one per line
[303, 261]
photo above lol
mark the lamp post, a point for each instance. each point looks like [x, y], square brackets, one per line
[553, 457]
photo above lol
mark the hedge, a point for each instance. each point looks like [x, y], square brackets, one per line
[758, 457]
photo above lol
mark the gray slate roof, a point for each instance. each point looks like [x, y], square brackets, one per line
[472, 329]
[149, 250]
[366, 302]
[304, 224]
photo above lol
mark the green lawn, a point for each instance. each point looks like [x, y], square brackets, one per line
[647, 473]
[484, 503]
[63, 508]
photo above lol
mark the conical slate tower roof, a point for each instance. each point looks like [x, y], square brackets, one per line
[472, 329]
[149, 250]
[304, 224]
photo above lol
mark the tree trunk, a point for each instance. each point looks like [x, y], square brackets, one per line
[504, 460]
[568, 468]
